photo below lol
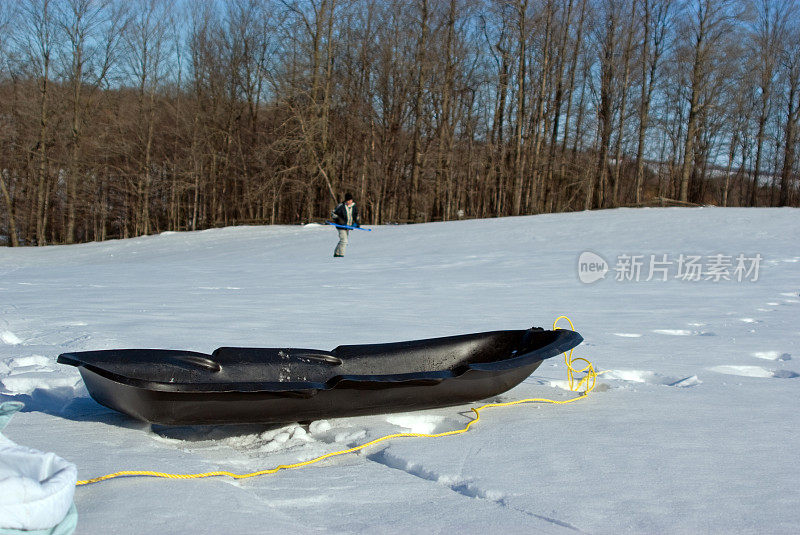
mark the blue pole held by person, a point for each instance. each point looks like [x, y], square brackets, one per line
[345, 217]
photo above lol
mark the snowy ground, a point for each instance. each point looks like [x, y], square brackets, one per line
[694, 427]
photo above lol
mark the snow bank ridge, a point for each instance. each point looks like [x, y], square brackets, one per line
[7, 337]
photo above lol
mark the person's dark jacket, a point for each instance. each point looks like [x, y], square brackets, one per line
[339, 215]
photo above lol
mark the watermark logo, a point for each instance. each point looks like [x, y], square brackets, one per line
[591, 267]
[663, 267]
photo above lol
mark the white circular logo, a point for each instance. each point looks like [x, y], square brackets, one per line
[591, 267]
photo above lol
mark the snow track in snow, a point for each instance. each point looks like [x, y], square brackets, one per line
[689, 416]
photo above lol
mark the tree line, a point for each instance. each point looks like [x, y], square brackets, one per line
[123, 118]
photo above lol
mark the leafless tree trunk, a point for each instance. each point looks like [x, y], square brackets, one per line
[791, 65]
[146, 39]
[92, 30]
[12, 225]
[626, 69]
[707, 27]
[7, 17]
[519, 163]
[561, 61]
[539, 120]
[657, 15]
[571, 91]
[497, 149]
[595, 189]
[39, 40]
[416, 142]
[768, 34]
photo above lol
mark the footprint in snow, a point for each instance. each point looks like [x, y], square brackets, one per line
[652, 378]
[29, 363]
[754, 371]
[772, 355]
[7, 337]
[683, 332]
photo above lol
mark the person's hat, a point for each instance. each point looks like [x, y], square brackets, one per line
[348, 197]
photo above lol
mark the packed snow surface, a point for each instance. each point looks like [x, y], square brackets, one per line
[694, 322]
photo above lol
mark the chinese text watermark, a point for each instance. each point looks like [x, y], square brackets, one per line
[663, 267]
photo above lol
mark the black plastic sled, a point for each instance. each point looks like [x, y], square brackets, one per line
[237, 385]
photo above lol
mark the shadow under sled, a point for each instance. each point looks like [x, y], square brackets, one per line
[272, 385]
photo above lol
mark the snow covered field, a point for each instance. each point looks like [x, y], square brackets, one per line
[694, 427]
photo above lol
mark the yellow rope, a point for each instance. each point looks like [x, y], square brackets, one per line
[588, 382]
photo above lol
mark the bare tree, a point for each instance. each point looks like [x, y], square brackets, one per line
[767, 34]
[739, 114]
[146, 38]
[38, 41]
[421, 74]
[561, 60]
[307, 93]
[499, 41]
[92, 31]
[519, 163]
[627, 51]
[539, 118]
[707, 24]
[573, 73]
[609, 37]
[7, 18]
[657, 19]
[790, 60]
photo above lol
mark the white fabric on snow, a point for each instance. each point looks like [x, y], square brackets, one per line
[36, 488]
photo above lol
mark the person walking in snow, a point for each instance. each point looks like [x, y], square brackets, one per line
[346, 213]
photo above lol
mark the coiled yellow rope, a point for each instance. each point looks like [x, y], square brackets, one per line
[587, 382]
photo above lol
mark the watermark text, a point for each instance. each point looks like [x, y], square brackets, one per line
[664, 267]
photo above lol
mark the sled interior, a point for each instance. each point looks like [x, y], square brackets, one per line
[268, 385]
[275, 369]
